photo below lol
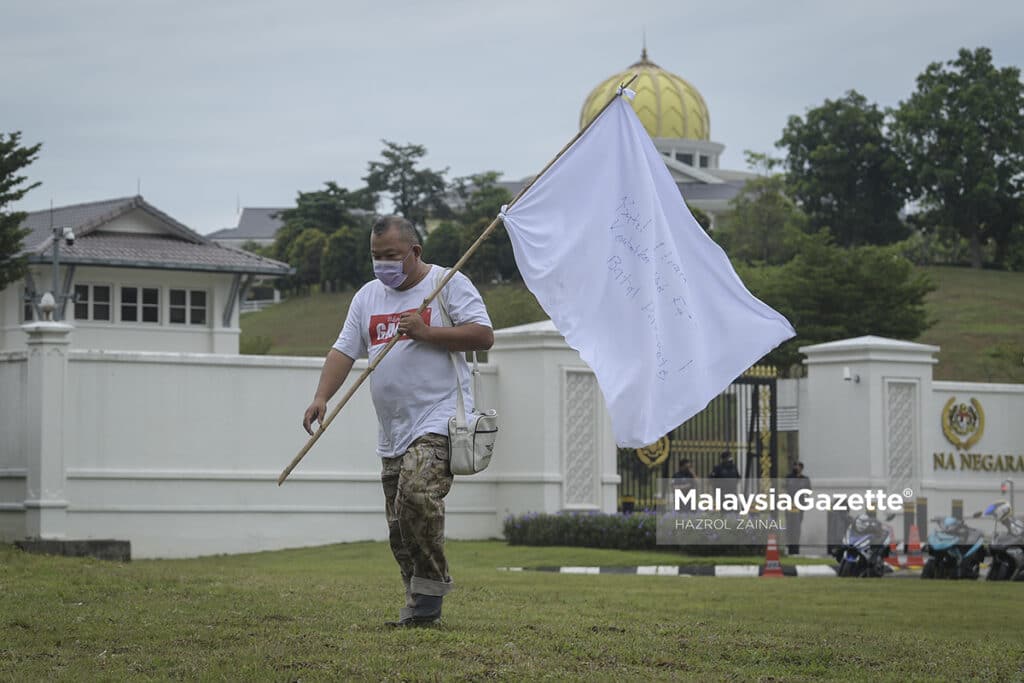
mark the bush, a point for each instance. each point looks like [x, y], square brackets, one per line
[829, 292]
[256, 345]
[928, 248]
[630, 531]
[635, 531]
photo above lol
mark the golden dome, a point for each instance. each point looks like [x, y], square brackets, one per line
[667, 105]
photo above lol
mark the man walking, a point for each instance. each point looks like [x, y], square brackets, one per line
[725, 469]
[413, 391]
[795, 481]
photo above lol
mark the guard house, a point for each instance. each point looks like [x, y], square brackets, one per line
[132, 279]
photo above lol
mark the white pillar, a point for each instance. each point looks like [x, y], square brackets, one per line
[45, 504]
[555, 426]
[862, 415]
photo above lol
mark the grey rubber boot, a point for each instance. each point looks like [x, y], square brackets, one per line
[425, 612]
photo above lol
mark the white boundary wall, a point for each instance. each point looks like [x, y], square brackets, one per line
[179, 453]
[871, 417]
[13, 449]
[978, 470]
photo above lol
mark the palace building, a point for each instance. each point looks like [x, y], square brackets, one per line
[676, 116]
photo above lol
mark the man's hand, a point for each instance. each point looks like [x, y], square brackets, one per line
[316, 412]
[336, 368]
[411, 325]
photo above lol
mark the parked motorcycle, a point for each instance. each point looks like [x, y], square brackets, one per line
[1007, 546]
[864, 547]
[955, 549]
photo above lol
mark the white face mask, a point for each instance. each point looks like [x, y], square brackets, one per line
[391, 273]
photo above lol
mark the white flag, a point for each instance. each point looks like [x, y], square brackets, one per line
[652, 304]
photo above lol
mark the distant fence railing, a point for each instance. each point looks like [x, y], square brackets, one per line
[257, 305]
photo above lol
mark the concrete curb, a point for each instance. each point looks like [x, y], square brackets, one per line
[717, 570]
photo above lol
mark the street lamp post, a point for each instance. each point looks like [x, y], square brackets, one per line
[52, 303]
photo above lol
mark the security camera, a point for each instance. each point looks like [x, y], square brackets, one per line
[69, 236]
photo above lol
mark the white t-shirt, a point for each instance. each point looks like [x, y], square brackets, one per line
[413, 388]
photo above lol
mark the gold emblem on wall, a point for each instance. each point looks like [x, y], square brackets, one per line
[963, 424]
[655, 454]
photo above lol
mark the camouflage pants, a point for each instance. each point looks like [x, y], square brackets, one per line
[415, 485]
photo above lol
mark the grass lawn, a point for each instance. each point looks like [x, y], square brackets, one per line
[308, 325]
[301, 325]
[978, 320]
[979, 323]
[316, 614]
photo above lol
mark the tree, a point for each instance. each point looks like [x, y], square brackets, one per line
[843, 172]
[306, 254]
[962, 136]
[254, 247]
[480, 198]
[829, 293]
[346, 257]
[326, 210]
[444, 244]
[762, 221]
[415, 192]
[703, 220]
[1014, 258]
[13, 158]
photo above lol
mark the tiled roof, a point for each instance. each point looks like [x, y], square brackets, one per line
[255, 223]
[162, 252]
[76, 216]
[180, 248]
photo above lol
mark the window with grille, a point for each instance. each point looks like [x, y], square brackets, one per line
[187, 306]
[92, 302]
[29, 313]
[140, 304]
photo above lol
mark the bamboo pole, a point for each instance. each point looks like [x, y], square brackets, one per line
[451, 273]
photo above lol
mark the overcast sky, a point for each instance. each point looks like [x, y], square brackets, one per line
[212, 103]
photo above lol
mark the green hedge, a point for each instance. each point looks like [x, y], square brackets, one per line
[632, 531]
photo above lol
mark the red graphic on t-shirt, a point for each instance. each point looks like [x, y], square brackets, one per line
[385, 326]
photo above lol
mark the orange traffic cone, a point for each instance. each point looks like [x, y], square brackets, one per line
[914, 558]
[893, 559]
[772, 566]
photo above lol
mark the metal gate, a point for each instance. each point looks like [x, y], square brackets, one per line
[741, 420]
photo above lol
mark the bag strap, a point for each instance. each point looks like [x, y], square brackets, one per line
[446, 317]
[460, 412]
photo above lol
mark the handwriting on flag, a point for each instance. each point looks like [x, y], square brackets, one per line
[605, 242]
[630, 266]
